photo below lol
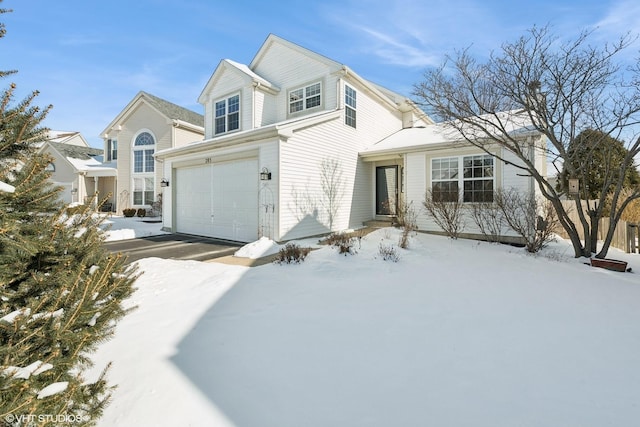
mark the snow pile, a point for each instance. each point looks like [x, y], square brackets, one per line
[455, 333]
[7, 188]
[260, 248]
[52, 389]
[34, 369]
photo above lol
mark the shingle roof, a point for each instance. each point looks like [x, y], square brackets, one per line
[174, 111]
[76, 151]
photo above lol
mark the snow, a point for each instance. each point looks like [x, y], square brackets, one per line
[455, 333]
[260, 248]
[11, 317]
[123, 228]
[7, 188]
[52, 389]
[35, 369]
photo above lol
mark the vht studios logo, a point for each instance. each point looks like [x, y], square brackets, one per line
[25, 420]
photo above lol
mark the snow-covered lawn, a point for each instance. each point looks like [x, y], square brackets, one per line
[122, 228]
[457, 333]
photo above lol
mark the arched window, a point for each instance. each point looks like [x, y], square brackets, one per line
[143, 169]
[143, 149]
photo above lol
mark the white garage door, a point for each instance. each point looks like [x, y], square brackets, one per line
[219, 200]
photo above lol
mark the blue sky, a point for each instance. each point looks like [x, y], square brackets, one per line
[89, 58]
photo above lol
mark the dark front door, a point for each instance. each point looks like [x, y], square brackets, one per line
[386, 190]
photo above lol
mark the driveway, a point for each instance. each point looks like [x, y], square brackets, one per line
[173, 246]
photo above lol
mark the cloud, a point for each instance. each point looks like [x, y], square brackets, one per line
[396, 52]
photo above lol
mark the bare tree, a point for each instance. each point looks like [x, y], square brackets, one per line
[446, 212]
[556, 88]
[332, 188]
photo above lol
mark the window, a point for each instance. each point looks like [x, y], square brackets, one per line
[143, 168]
[227, 114]
[143, 191]
[143, 149]
[476, 179]
[349, 106]
[477, 176]
[444, 179]
[305, 98]
[112, 150]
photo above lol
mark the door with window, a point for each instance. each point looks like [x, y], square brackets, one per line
[386, 190]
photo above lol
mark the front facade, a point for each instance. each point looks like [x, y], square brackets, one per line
[281, 154]
[146, 125]
[298, 145]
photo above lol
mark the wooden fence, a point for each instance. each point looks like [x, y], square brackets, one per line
[626, 236]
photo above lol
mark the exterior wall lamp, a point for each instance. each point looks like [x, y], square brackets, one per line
[164, 182]
[265, 175]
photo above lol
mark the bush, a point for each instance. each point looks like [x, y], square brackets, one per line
[344, 242]
[409, 225]
[142, 212]
[489, 219]
[534, 220]
[129, 212]
[446, 211]
[388, 253]
[292, 254]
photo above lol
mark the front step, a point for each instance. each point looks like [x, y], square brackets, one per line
[378, 223]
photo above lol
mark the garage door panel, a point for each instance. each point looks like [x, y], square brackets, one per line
[219, 200]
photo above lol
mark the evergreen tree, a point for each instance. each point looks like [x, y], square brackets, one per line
[60, 291]
[595, 160]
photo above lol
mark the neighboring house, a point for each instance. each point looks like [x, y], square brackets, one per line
[78, 169]
[298, 145]
[146, 125]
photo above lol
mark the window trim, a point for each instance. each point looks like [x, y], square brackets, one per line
[144, 150]
[350, 108]
[226, 116]
[459, 177]
[305, 98]
[112, 149]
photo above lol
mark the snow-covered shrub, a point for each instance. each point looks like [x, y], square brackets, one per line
[292, 254]
[446, 211]
[409, 225]
[388, 252]
[344, 242]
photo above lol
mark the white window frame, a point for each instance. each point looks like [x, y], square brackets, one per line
[112, 149]
[350, 106]
[304, 98]
[147, 174]
[226, 116]
[459, 177]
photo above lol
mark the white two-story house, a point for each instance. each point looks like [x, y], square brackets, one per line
[298, 145]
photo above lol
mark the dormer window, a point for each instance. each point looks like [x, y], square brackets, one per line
[227, 114]
[305, 98]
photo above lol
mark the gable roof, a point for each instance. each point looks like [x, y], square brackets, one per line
[75, 151]
[168, 109]
[242, 69]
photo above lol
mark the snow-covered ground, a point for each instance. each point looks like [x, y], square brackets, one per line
[121, 228]
[457, 333]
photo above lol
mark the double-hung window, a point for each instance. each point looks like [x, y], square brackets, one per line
[473, 174]
[349, 106]
[227, 114]
[305, 98]
[143, 169]
[112, 149]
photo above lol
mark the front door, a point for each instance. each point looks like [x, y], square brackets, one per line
[386, 190]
